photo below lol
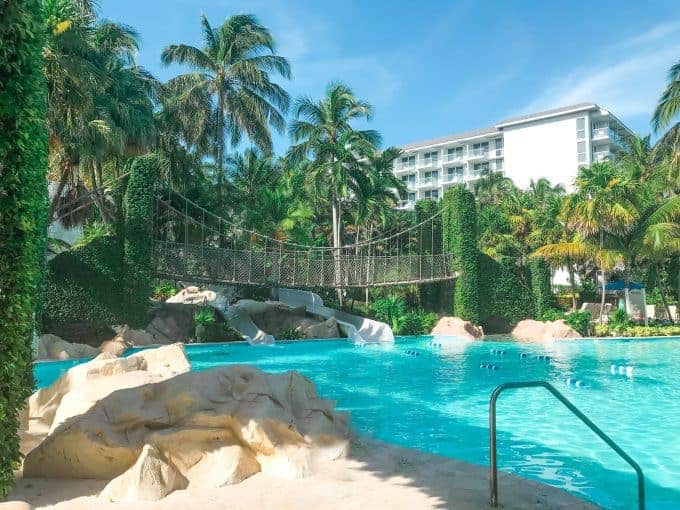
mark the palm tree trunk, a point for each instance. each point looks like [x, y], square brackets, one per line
[219, 149]
[572, 284]
[604, 280]
[335, 210]
[662, 290]
[65, 172]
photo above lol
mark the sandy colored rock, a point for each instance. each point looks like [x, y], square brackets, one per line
[52, 347]
[325, 329]
[150, 478]
[536, 331]
[455, 326]
[15, 505]
[215, 427]
[136, 337]
[84, 384]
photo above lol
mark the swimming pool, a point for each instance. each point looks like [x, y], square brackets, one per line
[437, 401]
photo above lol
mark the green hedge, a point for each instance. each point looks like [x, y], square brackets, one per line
[503, 299]
[540, 286]
[138, 248]
[435, 296]
[85, 285]
[459, 220]
[23, 211]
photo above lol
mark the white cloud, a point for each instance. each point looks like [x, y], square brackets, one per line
[627, 78]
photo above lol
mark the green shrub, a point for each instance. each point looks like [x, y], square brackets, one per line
[93, 231]
[390, 310]
[619, 320]
[23, 212]
[86, 285]
[219, 332]
[551, 314]
[138, 248]
[289, 334]
[459, 220]
[634, 330]
[417, 322]
[204, 316]
[164, 290]
[580, 321]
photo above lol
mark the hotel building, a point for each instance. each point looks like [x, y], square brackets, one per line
[552, 144]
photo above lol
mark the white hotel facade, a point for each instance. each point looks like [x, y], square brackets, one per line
[552, 144]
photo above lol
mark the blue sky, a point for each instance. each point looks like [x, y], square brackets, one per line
[432, 68]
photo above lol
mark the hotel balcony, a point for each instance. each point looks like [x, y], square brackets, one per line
[455, 158]
[601, 155]
[401, 167]
[428, 163]
[455, 178]
[428, 182]
[478, 154]
[406, 204]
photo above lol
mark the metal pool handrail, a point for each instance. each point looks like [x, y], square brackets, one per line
[533, 384]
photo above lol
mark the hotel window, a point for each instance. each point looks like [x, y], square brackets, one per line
[432, 194]
[455, 173]
[480, 149]
[455, 153]
[409, 179]
[411, 197]
[433, 174]
[499, 165]
[499, 146]
[581, 151]
[580, 128]
[481, 168]
[431, 157]
[408, 161]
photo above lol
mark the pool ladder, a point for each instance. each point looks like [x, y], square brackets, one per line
[493, 478]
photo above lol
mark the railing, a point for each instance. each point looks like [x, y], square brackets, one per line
[601, 132]
[479, 153]
[493, 478]
[405, 166]
[429, 162]
[453, 178]
[430, 181]
[455, 156]
[601, 155]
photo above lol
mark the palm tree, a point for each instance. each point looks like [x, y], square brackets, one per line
[492, 188]
[322, 131]
[100, 104]
[234, 68]
[668, 106]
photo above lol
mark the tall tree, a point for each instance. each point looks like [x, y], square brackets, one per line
[234, 68]
[668, 106]
[322, 131]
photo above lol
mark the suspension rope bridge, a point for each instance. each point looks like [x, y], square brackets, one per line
[192, 243]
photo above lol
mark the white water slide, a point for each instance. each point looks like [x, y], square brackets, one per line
[358, 329]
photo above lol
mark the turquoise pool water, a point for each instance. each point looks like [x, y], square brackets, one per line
[438, 402]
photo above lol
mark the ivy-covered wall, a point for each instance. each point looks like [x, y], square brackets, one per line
[503, 299]
[435, 296]
[460, 238]
[540, 286]
[85, 285]
[23, 211]
[138, 248]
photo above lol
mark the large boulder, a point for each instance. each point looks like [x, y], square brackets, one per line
[273, 317]
[455, 326]
[536, 331]
[150, 478]
[171, 322]
[52, 347]
[199, 297]
[136, 337]
[211, 428]
[324, 329]
[84, 384]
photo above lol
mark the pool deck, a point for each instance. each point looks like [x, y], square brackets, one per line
[375, 475]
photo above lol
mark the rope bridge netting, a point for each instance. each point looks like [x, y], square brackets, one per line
[192, 243]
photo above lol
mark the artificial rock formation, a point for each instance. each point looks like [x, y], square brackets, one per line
[325, 329]
[53, 347]
[129, 420]
[536, 331]
[454, 326]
